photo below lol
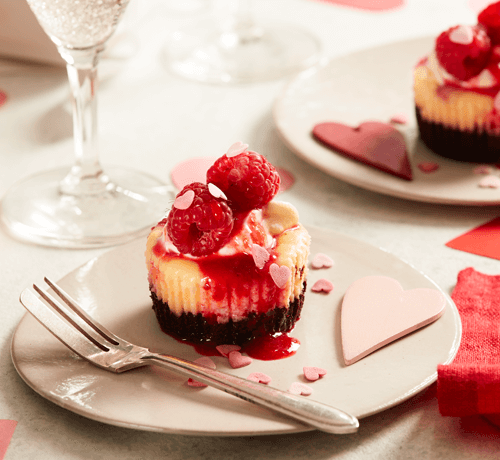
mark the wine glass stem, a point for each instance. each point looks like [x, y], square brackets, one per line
[86, 176]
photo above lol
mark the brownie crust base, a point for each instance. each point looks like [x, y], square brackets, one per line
[459, 145]
[198, 329]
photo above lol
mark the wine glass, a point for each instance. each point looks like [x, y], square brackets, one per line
[241, 50]
[82, 206]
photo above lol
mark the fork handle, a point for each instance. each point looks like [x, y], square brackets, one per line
[315, 414]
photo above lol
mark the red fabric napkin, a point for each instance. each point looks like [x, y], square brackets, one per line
[470, 385]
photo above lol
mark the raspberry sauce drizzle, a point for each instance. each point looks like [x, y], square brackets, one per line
[265, 348]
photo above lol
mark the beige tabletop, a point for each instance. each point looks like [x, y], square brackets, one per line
[150, 119]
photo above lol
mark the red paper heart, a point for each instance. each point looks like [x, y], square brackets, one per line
[373, 143]
[376, 311]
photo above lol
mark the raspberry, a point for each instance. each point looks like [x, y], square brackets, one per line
[204, 226]
[489, 18]
[248, 180]
[463, 51]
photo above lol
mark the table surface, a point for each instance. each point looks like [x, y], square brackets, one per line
[149, 119]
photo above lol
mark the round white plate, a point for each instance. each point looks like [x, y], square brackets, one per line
[114, 289]
[373, 84]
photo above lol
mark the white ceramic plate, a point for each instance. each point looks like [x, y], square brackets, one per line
[373, 84]
[114, 289]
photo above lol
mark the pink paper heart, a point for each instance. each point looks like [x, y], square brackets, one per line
[322, 285]
[203, 361]
[462, 35]
[280, 275]
[224, 350]
[260, 255]
[236, 149]
[313, 373]
[321, 261]
[185, 200]
[216, 192]
[373, 143]
[376, 311]
[259, 377]
[489, 182]
[237, 360]
[298, 388]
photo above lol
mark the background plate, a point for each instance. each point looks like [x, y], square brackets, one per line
[373, 84]
[113, 288]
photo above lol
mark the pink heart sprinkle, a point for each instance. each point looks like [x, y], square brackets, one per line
[483, 169]
[260, 255]
[400, 119]
[216, 192]
[462, 35]
[224, 350]
[237, 360]
[428, 166]
[321, 261]
[280, 275]
[298, 388]
[322, 285]
[236, 149]
[203, 361]
[313, 373]
[489, 181]
[185, 200]
[259, 377]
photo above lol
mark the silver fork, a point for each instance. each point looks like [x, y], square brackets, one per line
[74, 328]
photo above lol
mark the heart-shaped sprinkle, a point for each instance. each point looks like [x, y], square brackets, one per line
[203, 361]
[489, 181]
[298, 388]
[399, 118]
[373, 143]
[462, 35]
[216, 192]
[313, 373]
[236, 149]
[280, 275]
[224, 350]
[259, 377]
[376, 311]
[321, 261]
[483, 169]
[428, 166]
[260, 255]
[237, 360]
[185, 200]
[322, 285]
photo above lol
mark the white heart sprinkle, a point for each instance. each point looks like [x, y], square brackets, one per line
[185, 200]
[216, 192]
[462, 35]
[236, 149]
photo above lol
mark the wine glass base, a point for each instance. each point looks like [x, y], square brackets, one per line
[209, 56]
[35, 210]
